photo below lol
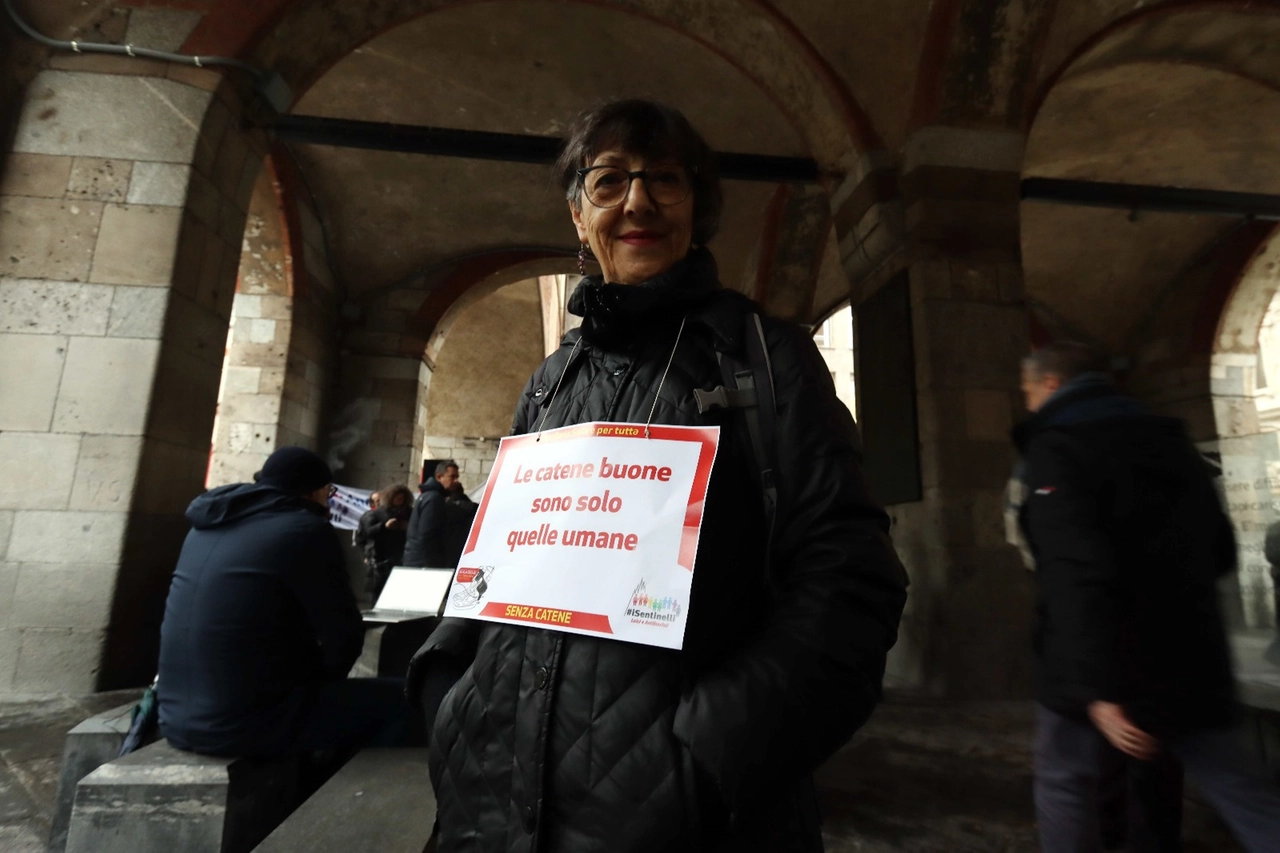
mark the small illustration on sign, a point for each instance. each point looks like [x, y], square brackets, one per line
[471, 586]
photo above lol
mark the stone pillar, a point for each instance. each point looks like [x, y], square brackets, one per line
[121, 213]
[966, 630]
[279, 350]
[372, 441]
[246, 428]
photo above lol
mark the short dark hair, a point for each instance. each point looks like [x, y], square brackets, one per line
[654, 131]
[444, 465]
[1067, 360]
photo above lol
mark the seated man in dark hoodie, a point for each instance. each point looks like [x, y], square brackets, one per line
[261, 625]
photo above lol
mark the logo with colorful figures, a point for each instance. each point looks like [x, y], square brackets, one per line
[645, 609]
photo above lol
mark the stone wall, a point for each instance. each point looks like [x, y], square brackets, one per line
[475, 456]
[309, 368]
[119, 251]
[371, 444]
[491, 351]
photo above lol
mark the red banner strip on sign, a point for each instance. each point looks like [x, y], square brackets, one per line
[597, 622]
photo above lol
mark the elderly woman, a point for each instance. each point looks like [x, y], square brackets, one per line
[556, 742]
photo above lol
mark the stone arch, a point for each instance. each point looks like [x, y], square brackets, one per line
[312, 35]
[1248, 448]
[762, 44]
[1173, 296]
[389, 357]
[498, 328]
[1229, 35]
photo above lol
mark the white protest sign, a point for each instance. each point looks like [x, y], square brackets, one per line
[590, 529]
[346, 505]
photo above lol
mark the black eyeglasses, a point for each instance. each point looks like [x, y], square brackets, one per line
[607, 186]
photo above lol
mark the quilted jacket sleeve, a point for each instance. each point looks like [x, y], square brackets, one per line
[811, 677]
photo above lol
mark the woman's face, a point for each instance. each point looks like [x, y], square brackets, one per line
[637, 239]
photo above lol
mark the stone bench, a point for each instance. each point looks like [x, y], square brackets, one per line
[88, 746]
[380, 801]
[163, 799]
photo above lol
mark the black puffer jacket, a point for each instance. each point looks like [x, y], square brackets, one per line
[1129, 541]
[382, 544]
[556, 742]
[426, 543]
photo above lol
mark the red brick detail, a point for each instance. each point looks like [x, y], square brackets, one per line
[289, 191]
[769, 241]
[935, 50]
[232, 26]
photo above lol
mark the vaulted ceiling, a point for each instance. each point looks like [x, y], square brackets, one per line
[1168, 93]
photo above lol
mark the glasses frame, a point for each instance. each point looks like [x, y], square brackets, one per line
[642, 174]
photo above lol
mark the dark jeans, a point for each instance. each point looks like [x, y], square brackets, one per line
[1071, 758]
[1141, 803]
[353, 713]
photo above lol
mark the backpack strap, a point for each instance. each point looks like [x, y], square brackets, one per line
[749, 387]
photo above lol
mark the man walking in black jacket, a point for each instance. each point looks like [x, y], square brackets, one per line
[430, 531]
[1129, 540]
[261, 626]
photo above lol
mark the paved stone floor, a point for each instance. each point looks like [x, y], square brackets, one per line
[931, 777]
[924, 777]
[31, 734]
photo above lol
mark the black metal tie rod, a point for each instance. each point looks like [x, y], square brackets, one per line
[507, 147]
[543, 150]
[1152, 198]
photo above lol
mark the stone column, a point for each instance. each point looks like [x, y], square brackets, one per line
[966, 630]
[121, 213]
[253, 378]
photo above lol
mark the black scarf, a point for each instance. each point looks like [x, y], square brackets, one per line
[621, 316]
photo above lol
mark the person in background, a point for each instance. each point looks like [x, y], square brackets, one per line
[1129, 540]
[460, 512]
[382, 533]
[261, 626]
[1140, 802]
[429, 538]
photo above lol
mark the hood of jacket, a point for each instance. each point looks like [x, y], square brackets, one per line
[431, 487]
[229, 504]
[1087, 398]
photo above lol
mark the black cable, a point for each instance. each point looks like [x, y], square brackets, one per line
[259, 74]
